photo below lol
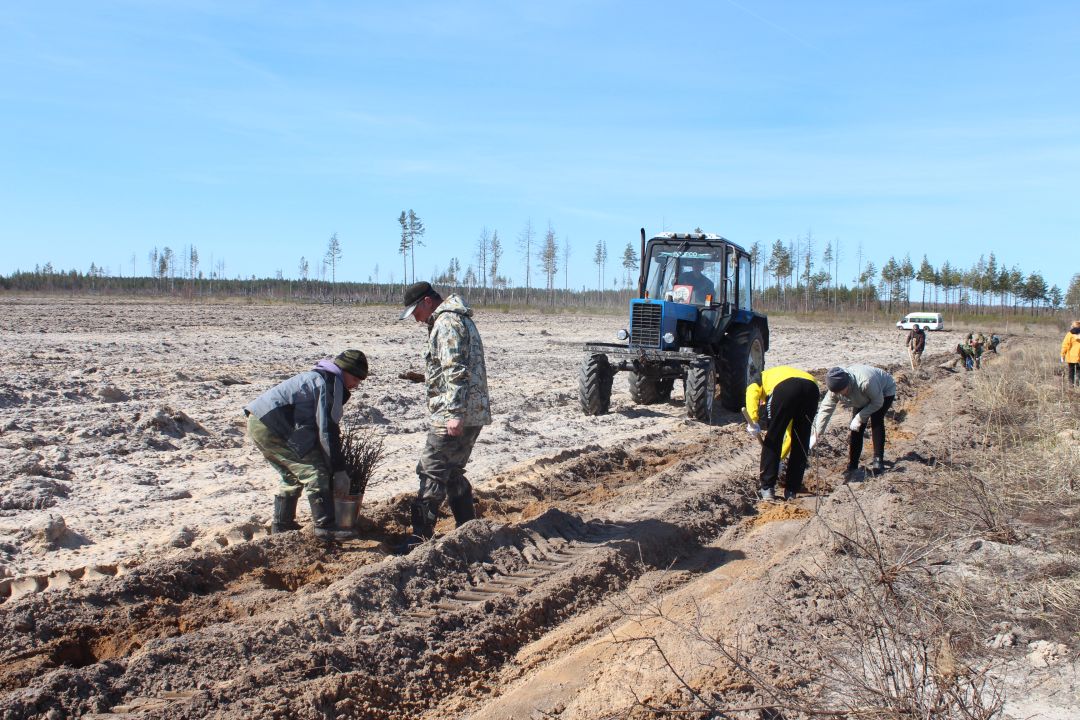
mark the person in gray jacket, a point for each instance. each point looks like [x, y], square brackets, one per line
[296, 426]
[870, 392]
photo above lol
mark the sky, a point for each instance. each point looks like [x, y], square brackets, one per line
[254, 130]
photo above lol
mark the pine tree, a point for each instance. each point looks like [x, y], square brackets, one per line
[925, 275]
[1034, 290]
[755, 261]
[495, 253]
[416, 232]
[629, 262]
[193, 263]
[907, 274]
[403, 246]
[483, 244]
[332, 258]
[525, 245]
[1072, 295]
[566, 262]
[827, 260]
[549, 261]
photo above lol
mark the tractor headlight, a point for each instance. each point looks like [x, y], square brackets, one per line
[622, 335]
[669, 338]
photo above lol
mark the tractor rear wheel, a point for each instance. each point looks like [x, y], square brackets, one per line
[744, 359]
[644, 390]
[594, 385]
[700, 388]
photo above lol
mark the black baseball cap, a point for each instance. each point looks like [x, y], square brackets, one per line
[414, 294]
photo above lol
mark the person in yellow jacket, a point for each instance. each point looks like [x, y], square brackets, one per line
[1070, 352]
[787, 399]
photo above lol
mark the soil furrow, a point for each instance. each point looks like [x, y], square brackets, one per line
[379, 616]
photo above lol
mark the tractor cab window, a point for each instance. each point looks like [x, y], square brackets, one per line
[745, 276]
[732, 273]
[684, 273]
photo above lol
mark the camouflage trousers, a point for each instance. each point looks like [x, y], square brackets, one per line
[297, 473]
[442, 466]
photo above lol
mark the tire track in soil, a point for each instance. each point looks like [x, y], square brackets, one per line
[296, 626]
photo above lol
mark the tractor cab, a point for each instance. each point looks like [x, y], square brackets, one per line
[694, 284]
[678, 273]
[692, 320]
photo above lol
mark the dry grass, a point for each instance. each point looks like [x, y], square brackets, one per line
[1021, 483]
[903, 646]
[1019, 486]
[906, 634]
[893, 647]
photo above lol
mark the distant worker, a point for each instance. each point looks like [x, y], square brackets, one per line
[979, 344]
[457, 396]
[870, 392]
[964, 354]
[1070, 353]
[296, 426]
[789, 398]
[916, 342]
[993, 343]
[691, 274]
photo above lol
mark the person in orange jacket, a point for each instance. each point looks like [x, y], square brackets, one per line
[1070, 353]
[789, 398]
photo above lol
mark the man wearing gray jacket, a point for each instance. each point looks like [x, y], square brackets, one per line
[870, 392]
[296, 426]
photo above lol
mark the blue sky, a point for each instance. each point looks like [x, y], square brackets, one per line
[254, 130]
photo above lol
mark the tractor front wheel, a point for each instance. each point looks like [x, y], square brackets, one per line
[644, 390]
[594, 385]
[700, 388]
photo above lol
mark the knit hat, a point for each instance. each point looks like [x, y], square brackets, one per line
[414, 294]
[837, 379]
[353, 362]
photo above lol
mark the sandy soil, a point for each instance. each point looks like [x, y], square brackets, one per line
[134, 517]
[123, 437]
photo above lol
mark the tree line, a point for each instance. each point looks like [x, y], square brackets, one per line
[788, 277]
[791, 277]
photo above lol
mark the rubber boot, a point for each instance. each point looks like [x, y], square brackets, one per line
[322, 517]
[464, 509]
[423, 521]
[284, 514]
[423, 528]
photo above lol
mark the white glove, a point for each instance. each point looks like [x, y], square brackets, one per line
[813, 440]
[753, 428]
[856, 424]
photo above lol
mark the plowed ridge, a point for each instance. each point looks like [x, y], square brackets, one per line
[280, 626]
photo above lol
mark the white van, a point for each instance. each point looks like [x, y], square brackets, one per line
[925, 320]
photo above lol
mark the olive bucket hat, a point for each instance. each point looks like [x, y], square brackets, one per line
[353, 362]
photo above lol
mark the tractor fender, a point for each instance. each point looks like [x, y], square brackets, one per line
[748, 317]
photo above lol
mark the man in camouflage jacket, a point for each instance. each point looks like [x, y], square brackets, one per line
[457, 394]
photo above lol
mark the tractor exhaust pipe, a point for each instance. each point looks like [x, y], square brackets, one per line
[641, 265]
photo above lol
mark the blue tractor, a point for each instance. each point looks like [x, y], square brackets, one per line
[692, 321]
